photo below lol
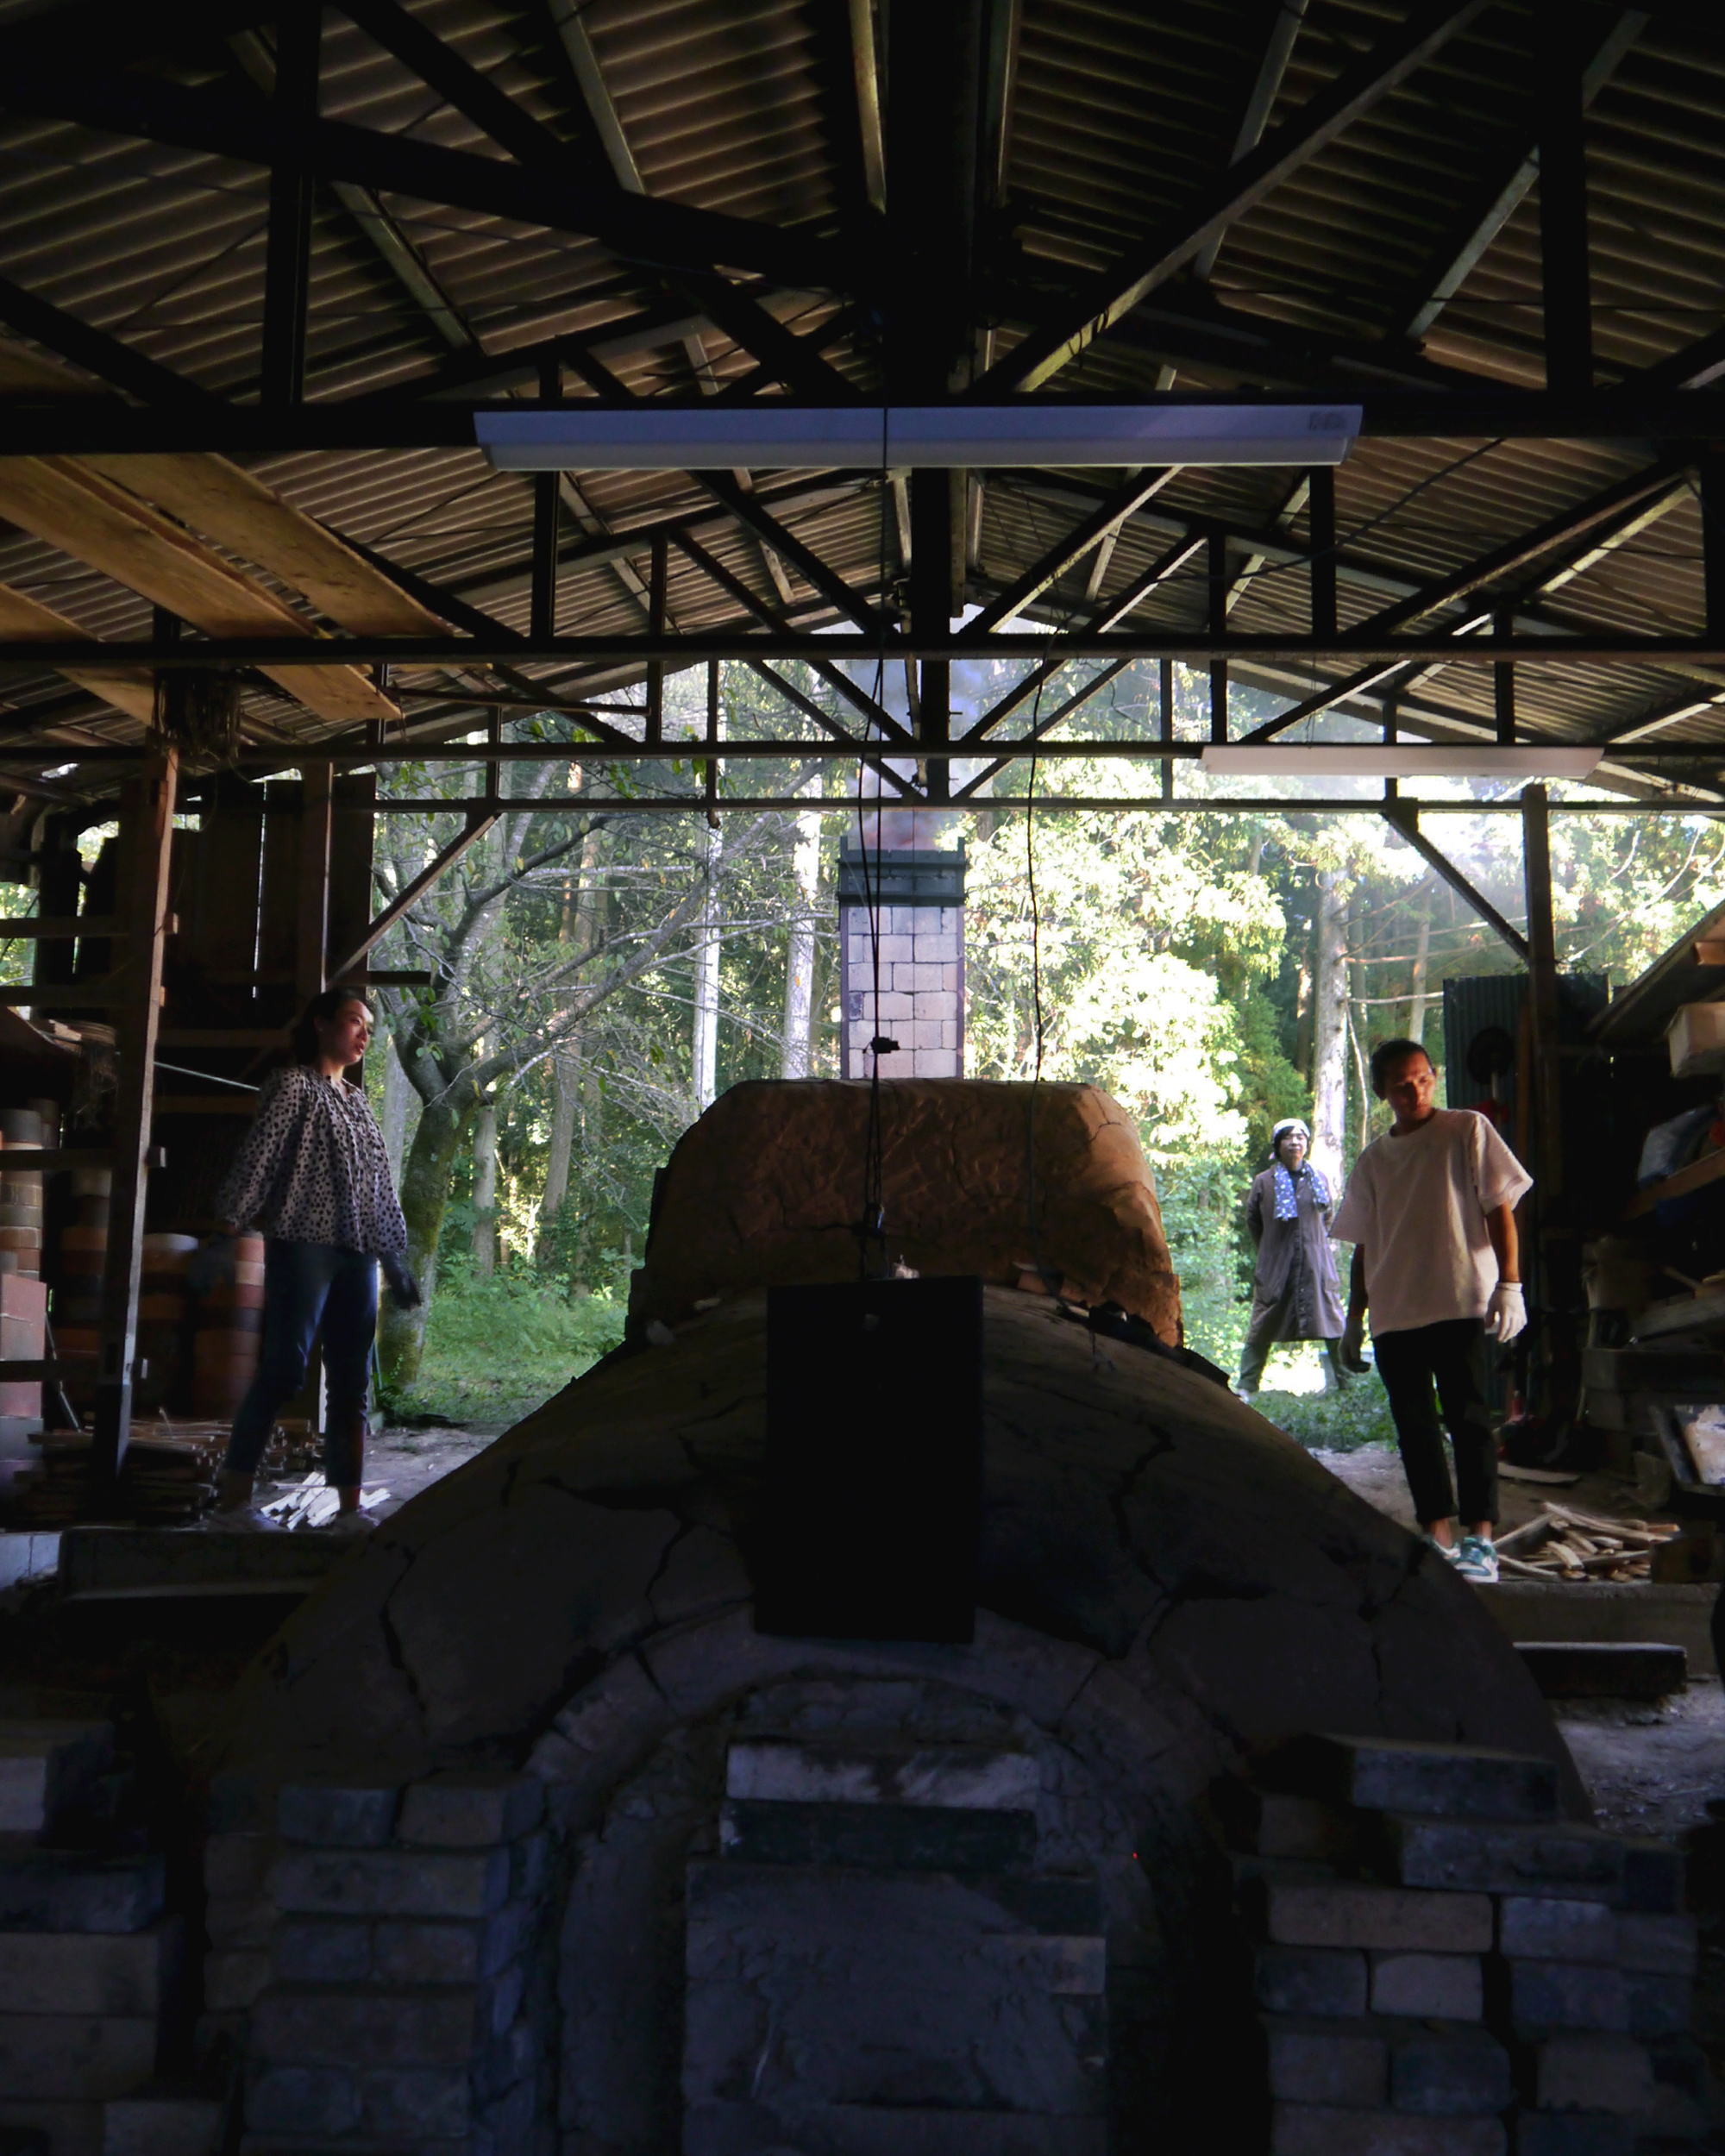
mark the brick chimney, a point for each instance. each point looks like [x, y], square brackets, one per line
[914, 898]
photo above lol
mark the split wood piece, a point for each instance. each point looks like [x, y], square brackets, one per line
[127, 689]
[1646, 1538]
[1524, 1571]
[241, 513]
[88, 517]
[1527, 1535]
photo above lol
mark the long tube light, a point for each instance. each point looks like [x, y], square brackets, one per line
[786, 437]
[1395, 759]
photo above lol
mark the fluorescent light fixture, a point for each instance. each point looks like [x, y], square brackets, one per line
[1397, 760]
[765, 437]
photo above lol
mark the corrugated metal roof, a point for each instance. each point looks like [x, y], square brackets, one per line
[1119, 116]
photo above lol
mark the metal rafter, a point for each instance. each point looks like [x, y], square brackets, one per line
[221, 125]
[1498, 198]
[119, 365]
[1277, 51]
[1118, 290]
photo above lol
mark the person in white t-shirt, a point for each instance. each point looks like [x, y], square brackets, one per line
[1430, 1211]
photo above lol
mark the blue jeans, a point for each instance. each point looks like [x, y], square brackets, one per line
[307, 1285]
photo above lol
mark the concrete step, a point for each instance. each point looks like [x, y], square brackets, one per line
[139, 1563]
[50, 1769]
[158, 2122]
[845, 2129]
[1608, 1609]
[74, 1890]
[1605, 1669]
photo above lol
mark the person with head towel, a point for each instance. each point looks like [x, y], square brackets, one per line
[313, 1168]
[1430, 1210]
[1295, 1295]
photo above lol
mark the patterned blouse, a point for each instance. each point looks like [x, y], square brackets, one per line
[313, 1165]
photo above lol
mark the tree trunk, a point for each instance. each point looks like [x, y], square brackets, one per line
[1416, 1009]
[485, 1189]
[399, 1100]
[566, 1078]
[706, 1055]
[1329, 1029]
[1302, 996]
[425, 1194]
[793, 1057]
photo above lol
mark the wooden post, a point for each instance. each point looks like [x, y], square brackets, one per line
[146, 828]
[1320, 525]
[1542, 970]
[655, 626]
[1219, 627]
[1503, 684]
[1165, 681]
[312, 932]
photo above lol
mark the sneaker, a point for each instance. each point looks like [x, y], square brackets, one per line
[240, 1519]
[349, 1523]
[1476, 1560]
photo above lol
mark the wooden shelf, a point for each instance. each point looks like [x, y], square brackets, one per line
[1696, 1176]
[15, 1159]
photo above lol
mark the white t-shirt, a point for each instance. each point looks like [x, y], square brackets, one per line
[1418, 1205]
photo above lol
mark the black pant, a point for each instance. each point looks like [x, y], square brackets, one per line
[1260, 1339]
[1451, 1355]
[309, 1285]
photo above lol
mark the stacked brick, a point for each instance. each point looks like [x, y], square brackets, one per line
[405, 2000]
[1444, 1967]
[921, 1003]
[90, 1960]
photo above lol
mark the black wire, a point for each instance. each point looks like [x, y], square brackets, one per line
[1036, 998]
[873, 1225]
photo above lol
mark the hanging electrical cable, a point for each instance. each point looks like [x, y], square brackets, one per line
[872, 1227]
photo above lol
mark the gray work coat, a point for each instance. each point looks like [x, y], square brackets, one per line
[1294, 1290]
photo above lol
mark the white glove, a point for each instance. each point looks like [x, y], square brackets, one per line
[1506, 1315]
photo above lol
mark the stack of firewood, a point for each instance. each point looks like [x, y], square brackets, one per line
[1563, 1544]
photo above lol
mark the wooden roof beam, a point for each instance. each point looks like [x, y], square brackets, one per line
[241, 513]
[127, 689]
[87, 517]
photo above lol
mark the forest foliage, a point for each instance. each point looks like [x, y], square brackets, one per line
[1168, 956]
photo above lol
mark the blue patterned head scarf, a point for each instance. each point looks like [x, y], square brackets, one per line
[1287, 1191]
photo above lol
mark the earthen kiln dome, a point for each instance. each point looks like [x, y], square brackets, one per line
[1167, 1584]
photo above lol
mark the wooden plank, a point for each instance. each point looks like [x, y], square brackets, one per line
[95, 995]
[87, 517]
[220, 1036]
[32, 929]
[147, 819]
[1696, 1176]
[222, 931]
[350, 864]
[51, 1159]
[317, 823]
[240, 512]
[129, 689]
[277, 921]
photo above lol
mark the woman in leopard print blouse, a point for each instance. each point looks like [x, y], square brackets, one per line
[313, 1168]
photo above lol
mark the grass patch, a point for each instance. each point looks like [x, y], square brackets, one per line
[1332, 1422]
[497, 1348]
